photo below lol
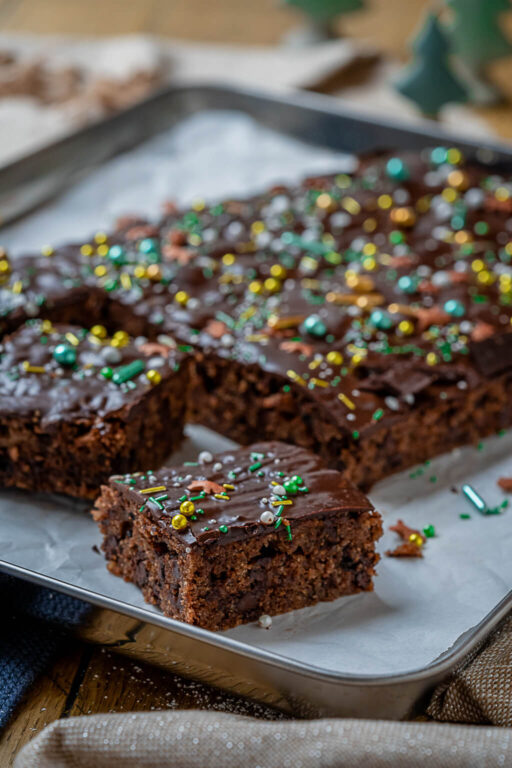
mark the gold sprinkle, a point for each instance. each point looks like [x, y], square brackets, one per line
[351, 205]
[334, 357]
[286, 502]
[454, 156]
[221, 496]
[502, 194]
[126, 281]
[370, 225]
[324, 201]
[257, 227]
[154, 377]
[256, 286]
[17, 287]
[346, 401]
[99, 331]
[449, 194]
[100, 237]
[272, 285]
[458, 179]
[100, 270]
[281, 323]
[294, 376]
[47, 250]
[278, 271]
[319, 382]
[87, 250]
[385, 201]
[74, 340]
[406, 327]
[403, 217]
[102, 250]
[228, 259]
[33, 368]
[228, 487]
[257, 337]
[155, 489]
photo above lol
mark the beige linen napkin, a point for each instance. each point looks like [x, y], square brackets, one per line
[479, 692]
[192, 739]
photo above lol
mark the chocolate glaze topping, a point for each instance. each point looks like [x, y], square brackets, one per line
[236, 487]
[367, 291]
[64, 372]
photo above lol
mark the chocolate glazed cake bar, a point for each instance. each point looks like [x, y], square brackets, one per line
[221, 541]
[76, 406]
[364, 316]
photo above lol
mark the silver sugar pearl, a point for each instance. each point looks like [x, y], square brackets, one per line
[205, 457]
[267, 517]
[265, 621]
[111, 355]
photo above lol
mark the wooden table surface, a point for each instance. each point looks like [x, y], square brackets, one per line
[88, 679]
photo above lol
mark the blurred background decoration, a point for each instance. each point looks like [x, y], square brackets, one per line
[64, 62]
[429, 81]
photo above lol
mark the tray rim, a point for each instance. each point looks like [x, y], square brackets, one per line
[463, 645]
[321, 105]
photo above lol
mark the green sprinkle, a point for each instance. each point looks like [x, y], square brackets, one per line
[183, 498]
[378, 414]
[465, 516]
[223, 528]
[278, 522]
[197, 498]
[429, 531]
[255, 466]
[288, 531]
[433, 479]
[127, 372]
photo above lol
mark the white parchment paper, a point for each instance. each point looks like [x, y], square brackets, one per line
[420, 606]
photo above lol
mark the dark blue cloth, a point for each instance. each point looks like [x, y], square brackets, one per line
[35, 625]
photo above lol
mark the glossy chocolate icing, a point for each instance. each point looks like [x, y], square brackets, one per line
[250, 473]
[33, 382]
[402, 268]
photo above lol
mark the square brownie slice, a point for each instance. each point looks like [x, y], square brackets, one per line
[221, 541]
[77, 405]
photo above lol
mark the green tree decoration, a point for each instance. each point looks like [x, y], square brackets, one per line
[321, 15]
[429, 80]
[475, 33]
[477, 39]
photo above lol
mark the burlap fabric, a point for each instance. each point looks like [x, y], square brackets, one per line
[480, 693]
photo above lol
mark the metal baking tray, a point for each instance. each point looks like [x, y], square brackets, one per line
[302, 688]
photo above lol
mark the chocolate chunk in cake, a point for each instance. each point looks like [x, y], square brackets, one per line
[77, 405]
[260, 530]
